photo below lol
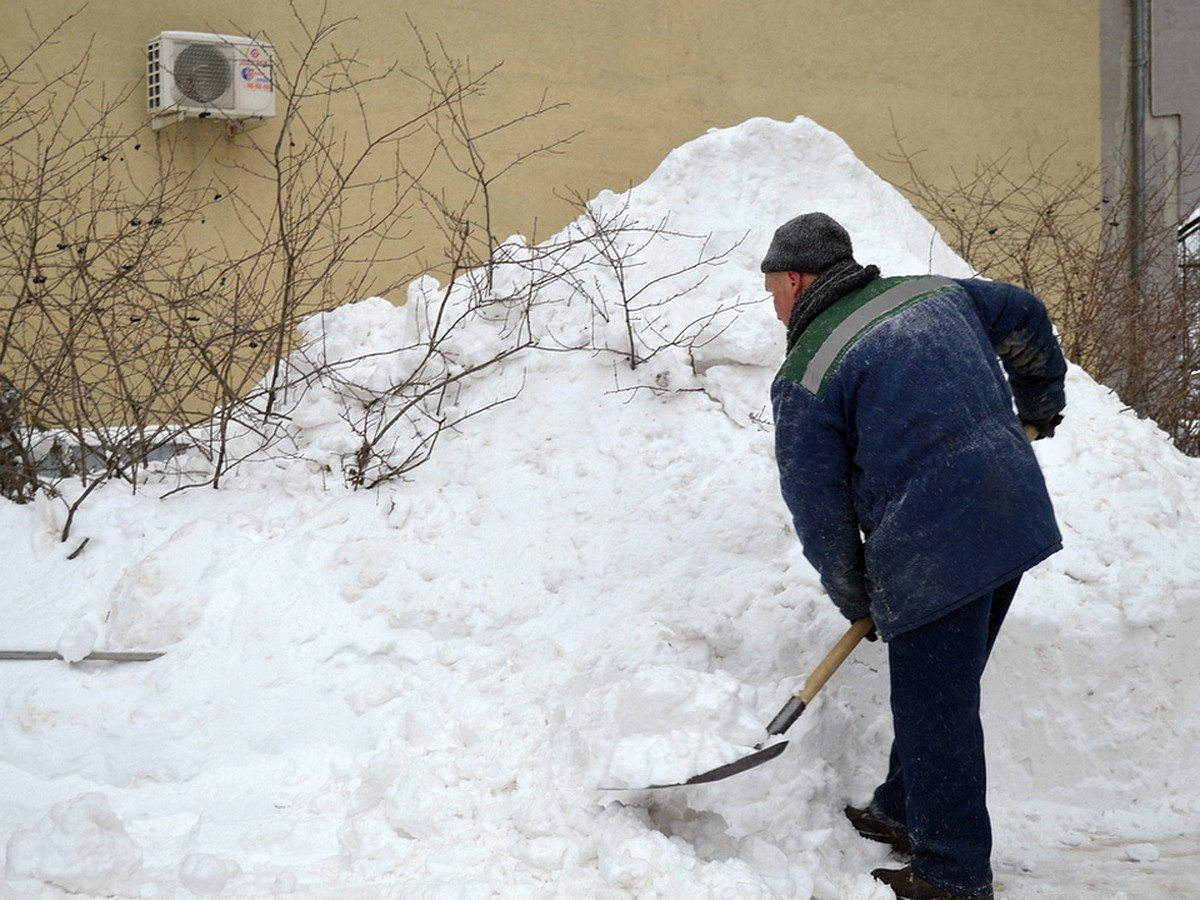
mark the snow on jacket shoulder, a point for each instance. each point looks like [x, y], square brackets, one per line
[911, 483]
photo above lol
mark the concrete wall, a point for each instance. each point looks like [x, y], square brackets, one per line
[1172, 126]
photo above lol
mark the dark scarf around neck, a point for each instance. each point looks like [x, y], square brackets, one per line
[834, 283]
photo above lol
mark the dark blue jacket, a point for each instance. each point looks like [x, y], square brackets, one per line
[913, 488]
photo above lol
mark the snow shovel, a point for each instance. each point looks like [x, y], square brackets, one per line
[791, 711]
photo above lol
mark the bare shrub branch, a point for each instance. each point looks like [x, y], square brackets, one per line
[1124, 309]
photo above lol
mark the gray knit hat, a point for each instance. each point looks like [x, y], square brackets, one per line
[809, 243]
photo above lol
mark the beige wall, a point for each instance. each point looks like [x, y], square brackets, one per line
[957, 80]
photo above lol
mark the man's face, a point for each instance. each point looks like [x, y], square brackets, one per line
[785, 287]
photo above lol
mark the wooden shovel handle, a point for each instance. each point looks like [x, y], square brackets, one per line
[858, 630]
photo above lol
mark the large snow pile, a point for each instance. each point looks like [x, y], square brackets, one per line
[419, 691]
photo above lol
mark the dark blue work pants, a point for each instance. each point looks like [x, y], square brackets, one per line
[937, 780]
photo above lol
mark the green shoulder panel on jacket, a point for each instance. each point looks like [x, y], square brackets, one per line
[823, 344]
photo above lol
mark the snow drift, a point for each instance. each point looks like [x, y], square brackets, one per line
[416, 691]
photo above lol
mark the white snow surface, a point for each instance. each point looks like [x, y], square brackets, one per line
[422, 690]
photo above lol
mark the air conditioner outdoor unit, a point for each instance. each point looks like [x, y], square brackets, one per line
[190, 73]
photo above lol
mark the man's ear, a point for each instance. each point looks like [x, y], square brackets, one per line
[806, 280]
[793, 281]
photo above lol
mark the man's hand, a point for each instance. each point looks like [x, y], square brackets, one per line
[1043, 428]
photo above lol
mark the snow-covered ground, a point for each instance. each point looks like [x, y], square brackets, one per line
[418, 691]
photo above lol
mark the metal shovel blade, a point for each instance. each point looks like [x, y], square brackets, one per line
[790, 712]
[738, 765]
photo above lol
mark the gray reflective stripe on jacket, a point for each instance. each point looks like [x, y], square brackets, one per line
[844, 335]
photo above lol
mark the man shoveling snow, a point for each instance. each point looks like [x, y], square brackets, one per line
[919, 501]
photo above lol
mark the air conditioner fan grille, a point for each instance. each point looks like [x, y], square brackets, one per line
[202, 73]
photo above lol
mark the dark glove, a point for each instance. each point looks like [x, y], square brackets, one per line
[1044, 427]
